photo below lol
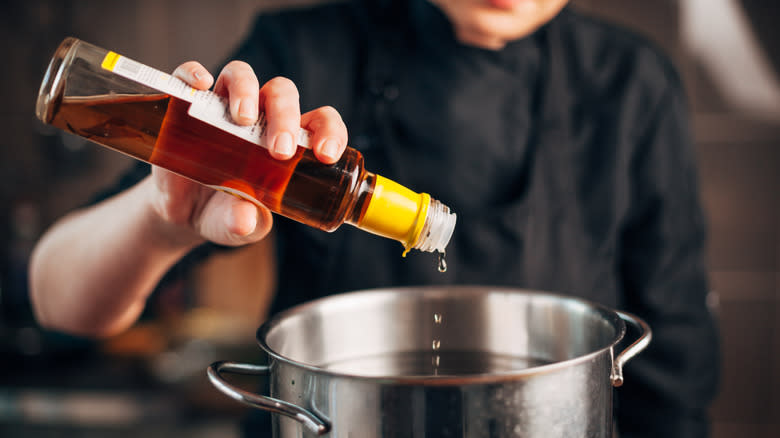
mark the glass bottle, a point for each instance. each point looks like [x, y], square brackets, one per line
[157, 118]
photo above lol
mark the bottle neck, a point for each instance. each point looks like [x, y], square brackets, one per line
[393, 211]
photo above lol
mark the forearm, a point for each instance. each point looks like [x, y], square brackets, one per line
[92, 272]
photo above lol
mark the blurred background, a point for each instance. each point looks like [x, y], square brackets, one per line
[151, 379]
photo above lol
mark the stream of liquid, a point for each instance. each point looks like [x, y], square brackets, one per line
[439, 360]
[436, 344]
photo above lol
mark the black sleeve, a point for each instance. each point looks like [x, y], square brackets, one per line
[668, 387]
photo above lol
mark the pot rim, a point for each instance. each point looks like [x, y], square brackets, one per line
[609, 314]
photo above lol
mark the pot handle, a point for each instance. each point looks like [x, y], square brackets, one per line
[645, 334]
[309, 420]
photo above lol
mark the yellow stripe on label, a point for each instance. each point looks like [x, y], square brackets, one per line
[395, 212]
[109, 62]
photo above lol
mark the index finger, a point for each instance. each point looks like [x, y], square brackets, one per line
[193, 73]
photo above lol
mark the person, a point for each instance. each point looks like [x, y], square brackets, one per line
[562, 142]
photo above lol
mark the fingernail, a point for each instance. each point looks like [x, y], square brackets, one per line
[251, 227]
[231, 222]
[284, 144]
[247, 110]
[330, 149]
[199, 75]
[238, 225]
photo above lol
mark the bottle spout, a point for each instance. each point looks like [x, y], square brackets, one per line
[414, 219]
[437, 229]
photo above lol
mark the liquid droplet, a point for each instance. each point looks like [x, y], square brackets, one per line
[436, 344]
[442, 261]
[437, 318]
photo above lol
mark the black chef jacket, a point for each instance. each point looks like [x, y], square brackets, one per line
[567, 157]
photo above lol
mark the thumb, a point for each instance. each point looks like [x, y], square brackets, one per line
[229, 220]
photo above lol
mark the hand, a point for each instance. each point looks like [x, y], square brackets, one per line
[203, 213]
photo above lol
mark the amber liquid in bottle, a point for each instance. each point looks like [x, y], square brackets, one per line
[158, 130]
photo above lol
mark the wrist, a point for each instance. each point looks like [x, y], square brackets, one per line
[165, 233]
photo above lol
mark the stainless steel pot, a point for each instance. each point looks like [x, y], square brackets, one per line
[441, 362]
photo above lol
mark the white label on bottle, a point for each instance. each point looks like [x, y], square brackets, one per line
[213, 109]
[206, 106]
[153, 78]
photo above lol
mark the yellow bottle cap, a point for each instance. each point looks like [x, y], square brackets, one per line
[396, 212]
